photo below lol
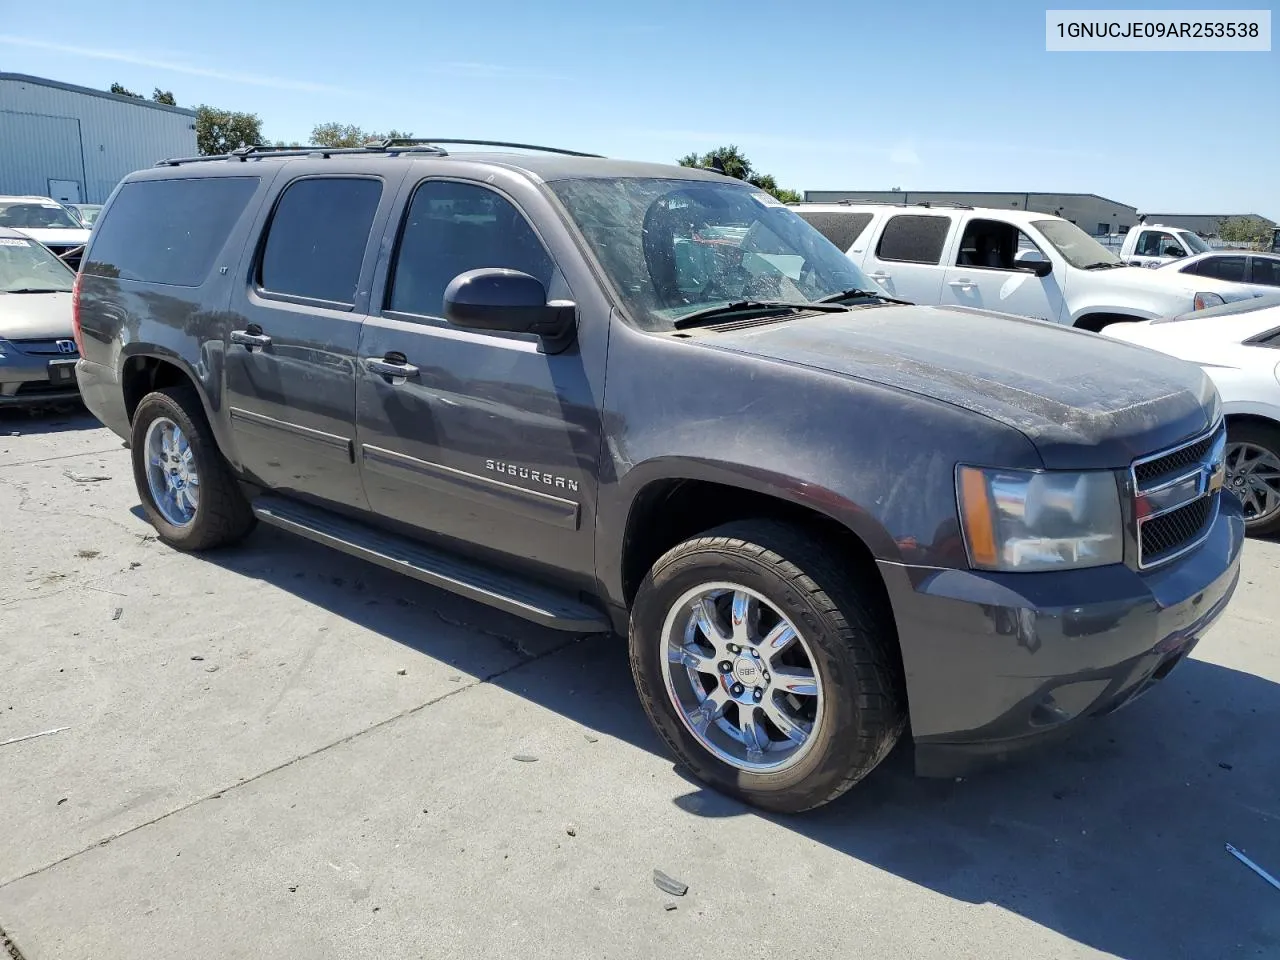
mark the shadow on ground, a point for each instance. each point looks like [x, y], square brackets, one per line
[1114, 839]
[63, 418]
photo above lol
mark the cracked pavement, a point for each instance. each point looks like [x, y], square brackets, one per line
[277, 750]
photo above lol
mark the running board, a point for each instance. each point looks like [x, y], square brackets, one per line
[515, 595]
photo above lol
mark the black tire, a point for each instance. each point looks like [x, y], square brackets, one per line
[850, 636]
[1266, 436]
[223, 515]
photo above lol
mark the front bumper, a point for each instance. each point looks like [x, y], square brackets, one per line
[998, 663]
[24, 379]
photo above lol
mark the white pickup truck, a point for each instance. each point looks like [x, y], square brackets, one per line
[1154, 245]
[1012, 261]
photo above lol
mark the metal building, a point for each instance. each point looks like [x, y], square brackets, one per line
[1208, 224]
[1092, 213]
[75, 144]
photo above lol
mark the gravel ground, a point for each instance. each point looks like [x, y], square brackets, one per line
[277, 751]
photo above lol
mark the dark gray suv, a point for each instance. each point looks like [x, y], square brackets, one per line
[620, 396]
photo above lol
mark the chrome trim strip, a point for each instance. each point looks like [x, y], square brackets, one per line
[1150, 458]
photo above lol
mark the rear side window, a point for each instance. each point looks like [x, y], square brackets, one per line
[1266, 271]
[451, 228]
[317, 238]
[168, 231]
[842, 229]
[913, 238]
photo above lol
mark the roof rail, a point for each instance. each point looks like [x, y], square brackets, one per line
[849, 201]
[413, 141]
[392, 146]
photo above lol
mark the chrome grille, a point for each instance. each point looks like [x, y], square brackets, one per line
[47, 348]
[1176, 497]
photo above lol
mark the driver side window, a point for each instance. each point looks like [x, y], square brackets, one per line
[1153, 242]
[995, 245]
[451, 228]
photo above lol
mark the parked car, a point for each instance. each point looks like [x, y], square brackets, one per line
[1154, 245]
[1015, 261]
[86, 212]
[1236, 266]
[37, 349]
[1238, 345]
[609, 395]
[49, 222]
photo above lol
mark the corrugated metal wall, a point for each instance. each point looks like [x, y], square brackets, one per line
[50, 132]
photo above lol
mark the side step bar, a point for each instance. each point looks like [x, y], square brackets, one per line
[542, 605]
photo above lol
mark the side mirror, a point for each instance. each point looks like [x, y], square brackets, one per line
[1174, 251]
[1041, 267]
[494, 298]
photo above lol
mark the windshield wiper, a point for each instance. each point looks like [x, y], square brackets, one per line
[1103, 265]
[856, 294]
[753, 306]
[38, 290]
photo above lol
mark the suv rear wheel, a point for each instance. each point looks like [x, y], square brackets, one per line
[771, 676]
[188, 491]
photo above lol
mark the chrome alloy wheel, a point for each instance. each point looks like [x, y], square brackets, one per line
[171, 472]
[741, 677]
[1253, 475]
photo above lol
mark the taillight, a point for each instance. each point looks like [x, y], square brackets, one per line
[75, 313]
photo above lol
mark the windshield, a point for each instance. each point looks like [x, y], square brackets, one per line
[25, 265]
[675, 247]
[89, 214]
[1194, 243]
[1077, 247]
[37, 215]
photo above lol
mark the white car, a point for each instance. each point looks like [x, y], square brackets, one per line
[1238, 346]
[1154, 245]
[47, 221]
[1262, 270]
[1010, 261]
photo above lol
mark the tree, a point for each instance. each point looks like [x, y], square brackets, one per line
[733, 162]
[126, 92]
[221, 131]
[1249, 231]
[349, 135]
[164, 96]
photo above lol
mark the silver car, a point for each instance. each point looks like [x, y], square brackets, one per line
[37, 350]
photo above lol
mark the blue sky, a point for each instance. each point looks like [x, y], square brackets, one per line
[825, 95]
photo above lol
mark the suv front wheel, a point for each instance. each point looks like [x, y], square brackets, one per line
[188, 491]
[770, 675]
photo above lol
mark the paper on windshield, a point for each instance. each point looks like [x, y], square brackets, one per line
[14, 242]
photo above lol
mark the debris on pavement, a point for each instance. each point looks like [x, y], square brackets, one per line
[197, 657]
[571, 830]
[134, 565]
[211, 669]
[85, 477]
[591, 739]
[88, 554]
[61, 802]
[401, 673]
[669, 907]
[669, 884]
[118, 614]
[1253, 866]
[32, 736]
[525, 758]
[293, 888]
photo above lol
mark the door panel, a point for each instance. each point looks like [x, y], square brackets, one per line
[982, 273]
[906, 258]
[486, 438]
[291, 344]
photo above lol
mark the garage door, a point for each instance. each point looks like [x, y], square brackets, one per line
[34, 149]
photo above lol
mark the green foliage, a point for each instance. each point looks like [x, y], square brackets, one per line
[221, 131]
[1248, 231]
[126, 92]
[349, 135]
[164, 96]
[734, 163]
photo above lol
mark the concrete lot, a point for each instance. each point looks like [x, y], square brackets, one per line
[276, 751]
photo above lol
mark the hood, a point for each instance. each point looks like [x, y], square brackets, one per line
[35, 316]
[1083, 400]
[1172, 282]
[58, 236]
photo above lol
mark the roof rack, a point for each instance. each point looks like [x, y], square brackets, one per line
[849, 201]
[392, 146]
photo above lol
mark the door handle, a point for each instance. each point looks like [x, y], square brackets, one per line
[251, 338]
[880, 276]
[960, 284]
[390, 369]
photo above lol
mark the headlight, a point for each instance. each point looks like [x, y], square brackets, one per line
[1208, 300]
[1020, 520]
